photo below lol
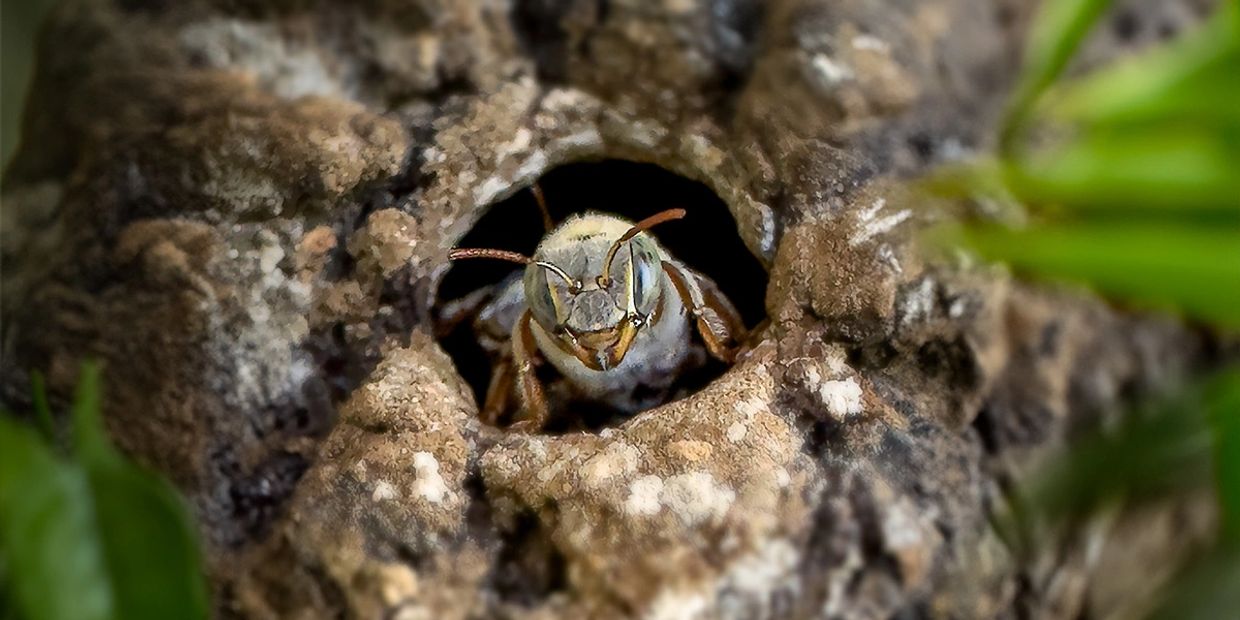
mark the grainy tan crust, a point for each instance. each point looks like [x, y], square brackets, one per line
[244, 209]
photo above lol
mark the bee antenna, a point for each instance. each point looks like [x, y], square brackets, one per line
[646, 224]
[548, 223]
[512, 257]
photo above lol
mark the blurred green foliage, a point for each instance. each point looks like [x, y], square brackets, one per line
[1129, 179]
[1140, 196]
[19, 23]
[87, 535]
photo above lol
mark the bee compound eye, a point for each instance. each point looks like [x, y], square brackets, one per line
[539, 296]
[646, 271]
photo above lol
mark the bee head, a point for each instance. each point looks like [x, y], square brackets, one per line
[592, 284]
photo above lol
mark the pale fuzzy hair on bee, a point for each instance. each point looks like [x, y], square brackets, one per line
[590, 224]
[580, 243]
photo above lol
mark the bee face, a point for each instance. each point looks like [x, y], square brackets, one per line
[592, 315]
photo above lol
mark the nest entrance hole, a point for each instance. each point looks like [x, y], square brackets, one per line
[706, 240]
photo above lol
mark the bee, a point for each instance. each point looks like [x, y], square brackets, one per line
[608, 307]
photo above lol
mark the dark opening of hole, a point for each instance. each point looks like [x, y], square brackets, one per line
[706, 240]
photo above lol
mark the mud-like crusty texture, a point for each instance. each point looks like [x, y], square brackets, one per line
[244, 209]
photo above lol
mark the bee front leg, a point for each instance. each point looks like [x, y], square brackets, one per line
[524, 360]
[499, 391]
[714, 316]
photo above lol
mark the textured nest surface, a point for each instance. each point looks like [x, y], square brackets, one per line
[245, 209]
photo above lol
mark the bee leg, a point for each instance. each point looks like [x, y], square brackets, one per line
[524, 360]
[458, 310]
[499, 391]
[714, 316]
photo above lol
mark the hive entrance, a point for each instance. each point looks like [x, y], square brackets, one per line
[706, 240]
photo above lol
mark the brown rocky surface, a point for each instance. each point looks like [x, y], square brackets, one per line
[244, 209]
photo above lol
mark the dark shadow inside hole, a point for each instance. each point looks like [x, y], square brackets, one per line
[529, 568]
[706, 240]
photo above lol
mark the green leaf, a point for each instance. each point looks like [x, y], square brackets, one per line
[1223, 403]
[1160, 450]
[42, 411]
[1160, 266]
[1196, 77]
[48, 532]
[1179, 169]
[97, 537]
[1166, 451]
[90, 440]
[151, 551]
[1207, 589]
[1060, 27]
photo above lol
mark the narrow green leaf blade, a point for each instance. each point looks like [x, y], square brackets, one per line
[1195, 78]
[1188, 171]
[1159, 266]
[1060, 27]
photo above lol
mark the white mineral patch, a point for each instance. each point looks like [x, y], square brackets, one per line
[537, 448]
[956, 310]
[519, 143]
[749, 580]
[761, 572]
[702, 150]
[284, 67]
[748, 409]
[782, 477]
[918, 303]
[680, 7]
[836, 360]
[737, 431]
[872, 225]
[872, 211]
[532, 166]
[830, 71]
[646, 133]
[768, 227]
[677, 605]
[696, 498]
[562, 99]
[901, 528]
[488, 189]
[841, 398]
[583, 140]
[644, 496]
[617, 460]
[384, 491]
[429, 483]
[870, 44]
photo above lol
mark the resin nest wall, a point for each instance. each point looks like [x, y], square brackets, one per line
[245, 210]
